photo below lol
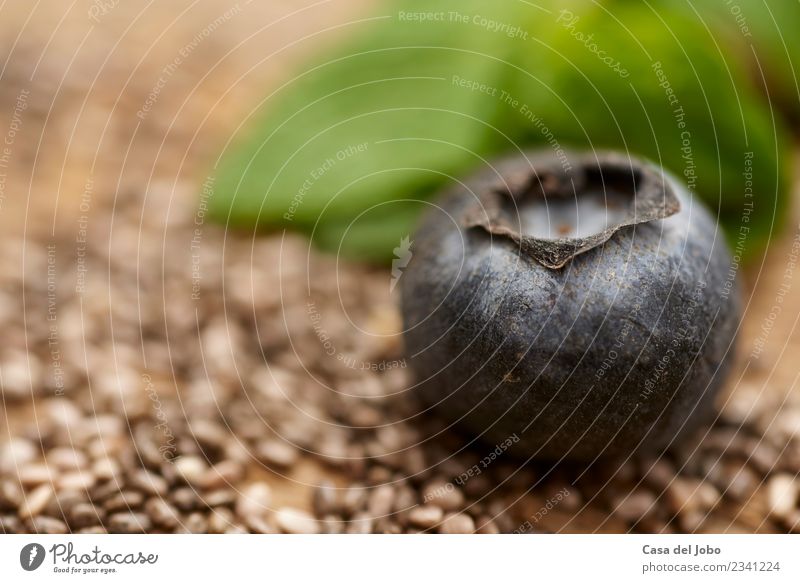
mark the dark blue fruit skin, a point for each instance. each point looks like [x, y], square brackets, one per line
[622, 349]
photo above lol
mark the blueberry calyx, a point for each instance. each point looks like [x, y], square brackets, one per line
[644, 192]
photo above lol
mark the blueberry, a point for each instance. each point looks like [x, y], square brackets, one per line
[584, 303]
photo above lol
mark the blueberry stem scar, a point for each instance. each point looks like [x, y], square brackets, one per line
[649, 198]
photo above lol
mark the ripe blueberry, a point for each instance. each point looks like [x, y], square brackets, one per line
[585, 303]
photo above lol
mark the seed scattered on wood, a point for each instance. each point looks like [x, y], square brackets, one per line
[636, 505]
[195, 523]
[225, 473]
[258, 524]
[35, 475]
[84, 514]
[191, 469]
[35, 501]
[485, 525]
[128, 523]
[67, 459]
[149, 483]
[16, 454]
[360, 523]
[293, 521]
[126, 500]
[183, 458]
[220, 520]
[80, 480]
[254, 500]
[277, 454]
[381, 501]
[691, 495]
[162, 513]
[47, 525]
[325, 499]
[10, 496]
[426, 516]
[105, 469]
[782, 491]
[220, 497]
[457, 524]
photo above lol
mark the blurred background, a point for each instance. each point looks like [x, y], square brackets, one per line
[127, 126]
[90, 67]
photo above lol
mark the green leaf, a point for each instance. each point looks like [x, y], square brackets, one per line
[762, 34]
[385, 118]
[654, 83]
[411, 106]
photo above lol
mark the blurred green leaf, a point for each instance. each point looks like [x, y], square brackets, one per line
[682, 102]
[412, 105]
